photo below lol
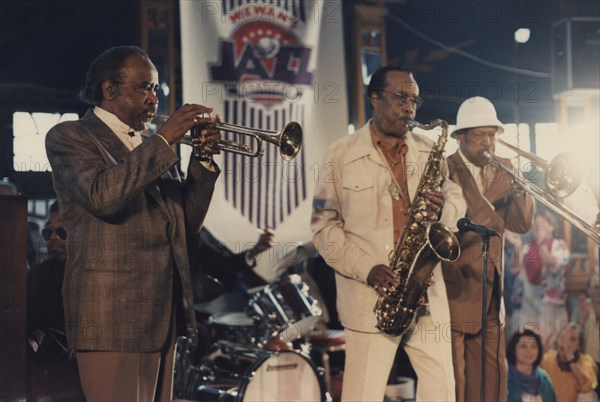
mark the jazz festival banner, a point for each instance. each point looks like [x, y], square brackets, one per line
[263, 64]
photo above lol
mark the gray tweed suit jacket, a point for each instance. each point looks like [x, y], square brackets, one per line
[126, 214]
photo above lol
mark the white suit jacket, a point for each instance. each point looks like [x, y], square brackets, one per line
[352, 221]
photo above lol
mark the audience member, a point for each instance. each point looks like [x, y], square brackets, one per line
[589, 315]
[526, 381]
[52, 372]
[572, 372]
[544, 293]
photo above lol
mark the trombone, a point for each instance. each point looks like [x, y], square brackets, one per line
[288, 140]
[559, 180]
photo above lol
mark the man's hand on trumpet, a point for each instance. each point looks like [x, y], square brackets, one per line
[206, 137]
[187, 117]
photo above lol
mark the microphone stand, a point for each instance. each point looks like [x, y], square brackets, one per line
[485, 246]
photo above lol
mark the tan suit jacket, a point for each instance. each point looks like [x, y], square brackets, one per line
[126, 214]
[464, 277]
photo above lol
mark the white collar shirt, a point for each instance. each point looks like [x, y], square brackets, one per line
[128, 136]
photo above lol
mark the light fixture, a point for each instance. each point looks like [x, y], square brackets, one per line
[522, 35]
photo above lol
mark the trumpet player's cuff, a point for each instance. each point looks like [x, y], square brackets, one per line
[164, 139]
[208, 165]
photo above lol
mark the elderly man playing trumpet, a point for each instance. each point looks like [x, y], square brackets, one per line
[127, 291]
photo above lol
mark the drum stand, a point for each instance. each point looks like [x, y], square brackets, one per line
[325, 343]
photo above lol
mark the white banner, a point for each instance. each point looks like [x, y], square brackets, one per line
[263, 64]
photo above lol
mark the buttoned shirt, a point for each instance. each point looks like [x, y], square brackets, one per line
[127, 135]
[393, 150]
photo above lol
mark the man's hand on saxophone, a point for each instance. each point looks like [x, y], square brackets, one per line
[382, 279]
[434, 204]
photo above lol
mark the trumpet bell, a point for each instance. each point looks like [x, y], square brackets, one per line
[290, 141]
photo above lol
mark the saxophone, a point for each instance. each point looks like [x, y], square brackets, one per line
[422, 245]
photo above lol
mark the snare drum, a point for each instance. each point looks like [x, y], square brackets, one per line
[286, 307]
[234, 327]
[230, 373]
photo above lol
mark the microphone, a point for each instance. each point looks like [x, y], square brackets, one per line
[466, 225]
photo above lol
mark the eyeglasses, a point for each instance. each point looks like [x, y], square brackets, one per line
[143, 87]
[403, 98]
[48, 232]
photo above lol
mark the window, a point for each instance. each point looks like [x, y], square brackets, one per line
[29, 135]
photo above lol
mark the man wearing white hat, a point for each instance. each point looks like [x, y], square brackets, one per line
[494, 201]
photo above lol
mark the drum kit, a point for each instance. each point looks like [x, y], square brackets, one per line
[260, 354]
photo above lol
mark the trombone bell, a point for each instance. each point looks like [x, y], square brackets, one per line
[560, 181]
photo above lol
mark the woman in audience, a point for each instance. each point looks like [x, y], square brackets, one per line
[526, 381]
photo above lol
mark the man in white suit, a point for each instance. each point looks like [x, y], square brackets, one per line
[366, 183]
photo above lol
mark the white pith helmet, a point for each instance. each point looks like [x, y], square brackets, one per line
[476, 112]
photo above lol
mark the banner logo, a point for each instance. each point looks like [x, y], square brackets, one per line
[263, 58]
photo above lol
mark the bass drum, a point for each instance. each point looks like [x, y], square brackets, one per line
[236, 373]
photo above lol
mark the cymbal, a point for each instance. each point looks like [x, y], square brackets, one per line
[206, 288]
[297, 255]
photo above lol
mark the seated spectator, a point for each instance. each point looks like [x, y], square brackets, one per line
[572, 372]
[526, 381]
[52, 372]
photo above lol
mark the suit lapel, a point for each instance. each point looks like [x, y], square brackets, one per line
[106, 137]
[115, 151]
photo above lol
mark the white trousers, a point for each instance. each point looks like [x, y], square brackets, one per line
[370, 356]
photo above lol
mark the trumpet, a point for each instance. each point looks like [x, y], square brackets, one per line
[559, 180]
[288, 140]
